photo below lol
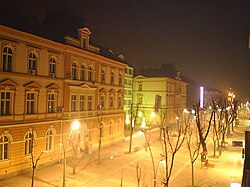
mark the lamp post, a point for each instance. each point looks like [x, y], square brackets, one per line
[151, 155]
[74, 140]
[64, 164]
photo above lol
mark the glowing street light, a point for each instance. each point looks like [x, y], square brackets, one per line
[75, 126]
[201, 96]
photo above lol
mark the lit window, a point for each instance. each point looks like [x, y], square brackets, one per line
[7, 59]
[51, 102]
[52, 67]
[4, 147]
[73, 71]
[73, 103]
[5, 103]
[49, 140]
[32, 66]
[139, 99]
[29, 140]
[102, 101]
[82, 74]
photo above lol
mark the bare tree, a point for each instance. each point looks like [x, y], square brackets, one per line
[172, 141]
[193, 143]
[34, 160]
[139, 167]
[202, 126]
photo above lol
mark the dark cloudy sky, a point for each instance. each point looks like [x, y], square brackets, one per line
[207, 40]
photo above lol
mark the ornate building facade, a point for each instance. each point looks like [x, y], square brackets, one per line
[45, 87]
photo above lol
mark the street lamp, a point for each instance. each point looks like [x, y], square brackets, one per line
[74, 139]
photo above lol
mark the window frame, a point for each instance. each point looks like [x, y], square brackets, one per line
[7, 59]
[29, 139]
[50, 139]
[4, 148]
[52, 66]
[32, 63]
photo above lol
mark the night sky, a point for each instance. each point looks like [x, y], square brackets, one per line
[207, 40]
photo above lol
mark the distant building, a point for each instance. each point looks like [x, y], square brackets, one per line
[128, 91]
[46, 86]
[212, 96]
[154, 93]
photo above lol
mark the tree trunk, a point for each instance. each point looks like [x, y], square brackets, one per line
[192, 165]
[33, 177]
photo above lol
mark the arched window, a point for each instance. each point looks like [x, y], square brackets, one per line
[4, 147]
[120, 79]
[103, 76]
[90, 74]
[32, 66]
[29, 141]
[82, 78]
[52, 67]
[110, 128]
[49, 140]
[73, 71]
[112, 78]
[7, 59]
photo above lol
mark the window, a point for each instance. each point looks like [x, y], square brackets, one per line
[4, 148]
[103, 76]
[139, 99]
[30, 103]
[90, 74]
[73, 103]
[28, 142]
[89, 102]
[119, 102]
[112, 78]
[5, 103]
[111, 101]
[82, 78]
[110, 128]
[73, 71]
[82, 103]
[49, 140]
[120, 79]
[51, 102]
[140, 87]
[32, 66]
[52, 67]
[7, 59]
[102, 101]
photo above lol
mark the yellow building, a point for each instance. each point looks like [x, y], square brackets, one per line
[128, 92]
[46, 86]
[154, 93]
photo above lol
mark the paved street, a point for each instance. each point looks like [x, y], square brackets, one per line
[119, 167]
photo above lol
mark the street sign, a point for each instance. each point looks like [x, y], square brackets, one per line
[237, 143]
